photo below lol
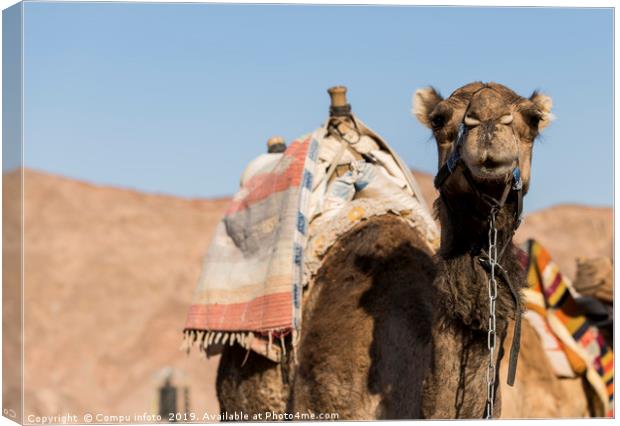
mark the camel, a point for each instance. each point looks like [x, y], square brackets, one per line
[538, 392]
[390, 330]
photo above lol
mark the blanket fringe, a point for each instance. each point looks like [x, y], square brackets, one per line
[283, 346]
[295, 336]
[207, 340]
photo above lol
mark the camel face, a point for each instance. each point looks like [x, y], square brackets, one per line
[498, 126]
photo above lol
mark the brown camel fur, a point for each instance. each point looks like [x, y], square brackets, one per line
[538, 392]
[388, 330]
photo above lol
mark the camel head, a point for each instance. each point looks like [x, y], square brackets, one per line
[498, 128]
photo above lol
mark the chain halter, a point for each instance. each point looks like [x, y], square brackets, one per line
[492, 334]
[490, 260]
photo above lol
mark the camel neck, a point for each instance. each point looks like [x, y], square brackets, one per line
[465, 226]
[457, 377]
[462, 309]
[462, 281]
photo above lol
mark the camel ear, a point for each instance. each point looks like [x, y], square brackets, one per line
[543, 103]
[424, 102]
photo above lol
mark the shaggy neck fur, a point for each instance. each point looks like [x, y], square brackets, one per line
[461, 281]
[456, 385]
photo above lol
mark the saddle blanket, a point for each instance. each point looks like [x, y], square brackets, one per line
[280, 224]
[575, 347]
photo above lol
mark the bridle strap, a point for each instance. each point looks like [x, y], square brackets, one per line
[453, 160]
[516, 337]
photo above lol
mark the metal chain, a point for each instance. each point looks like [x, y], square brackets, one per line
[492, 335]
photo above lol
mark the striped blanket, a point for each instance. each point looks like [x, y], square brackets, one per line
[251, 277]
[573, 345]
[277, 229]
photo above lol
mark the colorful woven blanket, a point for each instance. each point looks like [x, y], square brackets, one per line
[251, 277]
[279, 226]
[573, 344]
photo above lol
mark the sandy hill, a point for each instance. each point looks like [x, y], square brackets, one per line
[569, 231]
[109, 274]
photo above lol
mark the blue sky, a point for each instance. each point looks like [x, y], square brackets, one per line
[177, 98]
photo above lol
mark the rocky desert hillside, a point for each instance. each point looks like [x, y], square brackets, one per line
[569, 231]
[109, 274]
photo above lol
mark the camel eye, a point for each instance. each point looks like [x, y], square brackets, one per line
[506, 119]
[471, 121]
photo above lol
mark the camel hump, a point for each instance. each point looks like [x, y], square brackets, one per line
[381, 237]
[367, 321]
